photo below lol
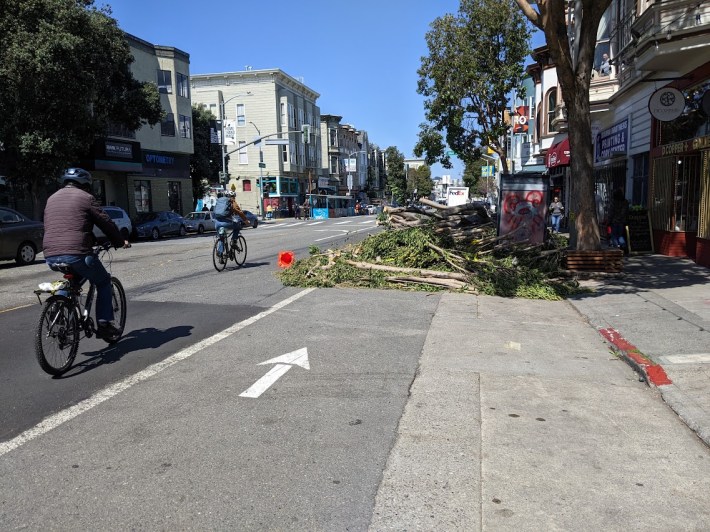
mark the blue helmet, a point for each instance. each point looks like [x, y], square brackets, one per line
[78, 176]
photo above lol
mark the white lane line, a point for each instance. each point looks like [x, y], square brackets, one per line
[368, 222]
[316, 223]
[691, 358]
[345, 234]
[99, 397]
[341, 223]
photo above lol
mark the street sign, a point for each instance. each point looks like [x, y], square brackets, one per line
[276, 142]
[262, 165]
[450, 153]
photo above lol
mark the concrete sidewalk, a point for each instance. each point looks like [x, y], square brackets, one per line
[657, 316]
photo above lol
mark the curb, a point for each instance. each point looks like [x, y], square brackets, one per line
[654, 375]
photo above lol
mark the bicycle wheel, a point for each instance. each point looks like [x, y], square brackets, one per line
[220, 259]
[118, 301]
[240, 250]
[57, 338]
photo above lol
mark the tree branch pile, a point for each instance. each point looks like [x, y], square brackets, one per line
[454, 249]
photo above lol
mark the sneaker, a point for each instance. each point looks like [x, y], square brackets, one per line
[106, 329]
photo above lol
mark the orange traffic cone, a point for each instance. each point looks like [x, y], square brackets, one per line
[286, 259]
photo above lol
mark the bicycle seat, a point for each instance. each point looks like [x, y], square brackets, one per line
[61, 267]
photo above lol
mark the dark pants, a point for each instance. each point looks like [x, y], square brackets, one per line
[90, 267]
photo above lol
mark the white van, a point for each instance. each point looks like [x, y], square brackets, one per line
[120, 218]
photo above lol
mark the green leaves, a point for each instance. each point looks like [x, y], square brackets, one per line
[475, 60]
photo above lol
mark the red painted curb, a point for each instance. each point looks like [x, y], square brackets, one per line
[654, 372]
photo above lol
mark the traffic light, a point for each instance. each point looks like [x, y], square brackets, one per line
[258, 182]
[306, 130]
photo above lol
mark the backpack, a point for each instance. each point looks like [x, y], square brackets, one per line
[222, 209]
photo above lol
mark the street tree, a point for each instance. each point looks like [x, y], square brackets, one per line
[206, 160]
[476, 59]
[65, 73]
[573, 56]
[472, 175]
[419, 181]
[396, 174]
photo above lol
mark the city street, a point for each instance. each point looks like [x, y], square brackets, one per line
[234, 402]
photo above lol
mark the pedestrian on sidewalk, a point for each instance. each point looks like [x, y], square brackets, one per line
[298, 211]
[617, 217]
[556, 212]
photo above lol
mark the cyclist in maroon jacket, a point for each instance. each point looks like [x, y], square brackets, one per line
[69, 219]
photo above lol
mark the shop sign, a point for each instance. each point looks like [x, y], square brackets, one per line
[612, 141]
[675, 148]
[157, 159]
[666, 104]
[701, 143]
[119, 150]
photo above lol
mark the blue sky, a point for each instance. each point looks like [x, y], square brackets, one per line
[362, 57]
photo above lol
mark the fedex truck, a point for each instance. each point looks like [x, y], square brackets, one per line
[456, 196]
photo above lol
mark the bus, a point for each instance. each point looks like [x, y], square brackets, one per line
[325, 206]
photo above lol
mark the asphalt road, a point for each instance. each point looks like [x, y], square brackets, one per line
[175, 299]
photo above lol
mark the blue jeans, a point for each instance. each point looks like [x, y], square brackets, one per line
[234, 225]
[617, 235]
[90, 267]
[556, 222]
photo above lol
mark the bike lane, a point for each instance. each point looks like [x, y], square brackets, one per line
[185, 448]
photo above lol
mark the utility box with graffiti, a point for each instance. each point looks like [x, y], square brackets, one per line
[522, 207]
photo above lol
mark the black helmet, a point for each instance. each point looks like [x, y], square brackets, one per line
[79, 176]
[231, 194]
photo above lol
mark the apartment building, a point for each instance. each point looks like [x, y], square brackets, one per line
[149, 169]
[650, 110]
[285, 166]
[346, 161]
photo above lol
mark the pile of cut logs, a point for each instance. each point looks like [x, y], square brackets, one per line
[463, 222]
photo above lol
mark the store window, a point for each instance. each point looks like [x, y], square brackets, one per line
[639, 193]
[98, 189]
[175, 196]
[675, 193]
[142, 196]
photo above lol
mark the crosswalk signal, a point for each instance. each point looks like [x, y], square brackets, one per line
[306, 131]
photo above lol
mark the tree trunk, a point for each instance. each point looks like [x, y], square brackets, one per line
[582, 169]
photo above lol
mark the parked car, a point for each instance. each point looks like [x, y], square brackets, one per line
[20, 237]
[200, 221]
[120, 218]
[253, 219]
[154, 225]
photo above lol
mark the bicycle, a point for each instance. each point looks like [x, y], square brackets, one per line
[64, 317]
[225, 248]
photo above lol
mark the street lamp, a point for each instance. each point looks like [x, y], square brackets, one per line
[223, 116]
[259, 210]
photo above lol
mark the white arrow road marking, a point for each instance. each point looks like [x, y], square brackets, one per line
[283, 364]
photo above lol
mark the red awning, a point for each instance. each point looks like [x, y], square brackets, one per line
[558, 154]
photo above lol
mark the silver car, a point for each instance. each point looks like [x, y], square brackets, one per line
[20, 237]
[200, 222]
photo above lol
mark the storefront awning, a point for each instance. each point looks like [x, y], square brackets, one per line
[558, 154]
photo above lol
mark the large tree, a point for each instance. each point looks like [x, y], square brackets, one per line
[65, 76]
[573, 56]
[396, 174]
[476, 59]
[206, 160]
[419, 181]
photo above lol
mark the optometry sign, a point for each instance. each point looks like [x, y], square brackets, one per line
[666, 104]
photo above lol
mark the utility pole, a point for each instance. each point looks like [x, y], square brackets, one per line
[223, 118]
[260, 211]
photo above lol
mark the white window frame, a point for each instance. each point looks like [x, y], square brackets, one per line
[243, 155]
[241, 116]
